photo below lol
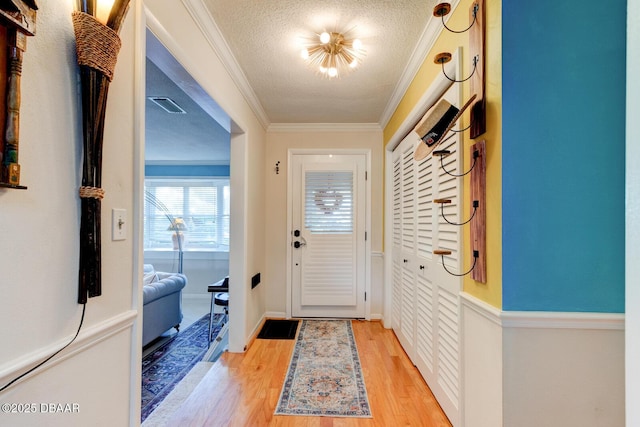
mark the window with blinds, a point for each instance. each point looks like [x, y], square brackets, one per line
[329, 202]
[203, 204]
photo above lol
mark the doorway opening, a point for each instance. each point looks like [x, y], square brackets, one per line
[186, 216]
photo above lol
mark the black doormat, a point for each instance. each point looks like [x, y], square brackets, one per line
[278, 329]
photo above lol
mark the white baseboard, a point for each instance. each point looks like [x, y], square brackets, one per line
[275, 315]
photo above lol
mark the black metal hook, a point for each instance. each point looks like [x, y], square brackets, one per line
[476, 254]
[445, 153]
[442, 202]
[443, 10]
[444, 57]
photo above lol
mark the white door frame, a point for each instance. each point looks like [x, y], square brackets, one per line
[367, 251]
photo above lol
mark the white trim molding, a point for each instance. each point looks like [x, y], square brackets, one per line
[422, 49]
[323, 127]
[86, 339]
[200, 14]
[562, 320]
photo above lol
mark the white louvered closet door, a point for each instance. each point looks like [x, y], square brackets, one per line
[396, 305]
[426, 303]
[404, 267]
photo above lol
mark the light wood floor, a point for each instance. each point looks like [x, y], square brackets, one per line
[243, 389]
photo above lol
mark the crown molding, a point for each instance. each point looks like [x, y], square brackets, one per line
[423, 47]
[324, 127]
[210, 30]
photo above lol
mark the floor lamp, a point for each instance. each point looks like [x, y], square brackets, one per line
[176, 224]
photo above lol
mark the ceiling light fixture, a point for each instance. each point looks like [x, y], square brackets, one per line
[333, 53]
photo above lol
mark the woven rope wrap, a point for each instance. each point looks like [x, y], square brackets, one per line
[97, 45]
[91, 193]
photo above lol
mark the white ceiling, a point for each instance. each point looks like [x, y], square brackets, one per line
[264, 37]
[260, 39]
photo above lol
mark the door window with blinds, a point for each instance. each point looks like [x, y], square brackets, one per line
[203, 205]
[329, 202]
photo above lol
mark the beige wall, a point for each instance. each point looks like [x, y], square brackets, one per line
[39, 253]
[39, 247]
[278, 145]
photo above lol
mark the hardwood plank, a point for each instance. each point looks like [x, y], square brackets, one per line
[243, 389]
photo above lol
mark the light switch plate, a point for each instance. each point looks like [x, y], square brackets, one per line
[118, 224]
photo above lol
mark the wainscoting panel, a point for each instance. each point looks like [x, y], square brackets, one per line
[481, 364]
[532, 369]
[571, 376]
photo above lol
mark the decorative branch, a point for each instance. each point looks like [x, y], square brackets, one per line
[97, 47]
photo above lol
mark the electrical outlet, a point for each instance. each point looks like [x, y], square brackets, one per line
[255, 280]
[118, 224]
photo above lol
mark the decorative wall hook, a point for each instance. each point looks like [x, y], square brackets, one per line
[442, 253]
[443, 202]
[441, 10]
[444, 57]
[445, 153]
[277, 167]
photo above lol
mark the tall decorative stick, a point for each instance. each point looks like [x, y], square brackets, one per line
[97, 47]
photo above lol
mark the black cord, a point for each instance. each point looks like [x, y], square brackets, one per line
[475, 16]
[475, 208]
[475, 259]
[84, 307]
[461, 130]
[475, 63]
[476, 154]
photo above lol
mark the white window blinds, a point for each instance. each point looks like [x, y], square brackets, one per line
[329, 202]
[203, 204]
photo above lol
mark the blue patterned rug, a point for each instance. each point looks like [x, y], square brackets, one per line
[324, 377]
[163, 368]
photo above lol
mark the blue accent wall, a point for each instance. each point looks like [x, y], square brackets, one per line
[563, 145]
[186, 170]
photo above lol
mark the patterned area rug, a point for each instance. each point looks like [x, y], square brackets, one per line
[324, 377]
[163, 368]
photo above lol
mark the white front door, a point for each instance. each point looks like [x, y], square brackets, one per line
[328, 235]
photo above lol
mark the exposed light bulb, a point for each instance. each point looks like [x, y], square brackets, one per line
[333, 71]
[323, 69]
[357, 44]
[103, 10]
[325, 37]
[304, 54]
[353, 63]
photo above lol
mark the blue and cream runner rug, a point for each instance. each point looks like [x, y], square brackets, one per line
[324, 377]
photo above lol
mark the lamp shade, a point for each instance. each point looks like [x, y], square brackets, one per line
[177, 225]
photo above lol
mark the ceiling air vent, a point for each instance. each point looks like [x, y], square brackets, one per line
[167, 104]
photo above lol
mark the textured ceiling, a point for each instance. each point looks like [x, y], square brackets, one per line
[264, 37]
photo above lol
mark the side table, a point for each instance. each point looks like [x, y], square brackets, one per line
[219, 293]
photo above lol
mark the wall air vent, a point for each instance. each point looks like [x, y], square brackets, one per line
[167, 104]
